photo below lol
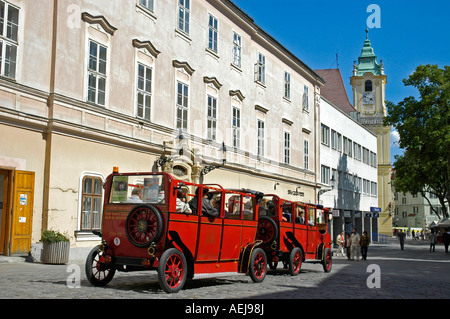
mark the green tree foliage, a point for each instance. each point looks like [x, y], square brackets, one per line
[424, 128]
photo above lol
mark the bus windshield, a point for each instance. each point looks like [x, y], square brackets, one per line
[138, 189]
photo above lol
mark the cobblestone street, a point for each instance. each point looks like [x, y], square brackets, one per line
[412, 273]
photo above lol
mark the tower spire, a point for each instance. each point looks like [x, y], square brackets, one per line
[367, 61]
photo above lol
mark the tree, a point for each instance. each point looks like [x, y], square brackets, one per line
[424, 129]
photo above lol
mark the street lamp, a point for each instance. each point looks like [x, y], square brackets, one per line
[181, 142]
[209, 168]
[322, 191]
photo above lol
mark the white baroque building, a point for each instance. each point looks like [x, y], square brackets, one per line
[87, 85]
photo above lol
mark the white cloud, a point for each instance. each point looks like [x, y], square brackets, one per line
[395, 138]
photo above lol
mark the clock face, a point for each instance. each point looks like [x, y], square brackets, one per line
[369, 98]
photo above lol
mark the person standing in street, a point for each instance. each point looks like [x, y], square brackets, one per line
[364, 242]
[347, 245]
[433, 238]
[354, 238]
[446, 239]
[340, 242]
[401, 238]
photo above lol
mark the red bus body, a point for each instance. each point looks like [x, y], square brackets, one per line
[187, 244]
[286, 225]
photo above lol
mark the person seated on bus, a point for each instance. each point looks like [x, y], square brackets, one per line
[287, 212]
[300, 216]
[207, 208]
[182, 206]
[136, 195]
[216, 203]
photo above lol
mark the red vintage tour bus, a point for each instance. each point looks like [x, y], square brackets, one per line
[294, 232]
[152, 221]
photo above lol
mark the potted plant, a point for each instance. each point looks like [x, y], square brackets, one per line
[56, 247]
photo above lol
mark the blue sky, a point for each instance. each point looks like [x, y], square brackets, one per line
[411, 33]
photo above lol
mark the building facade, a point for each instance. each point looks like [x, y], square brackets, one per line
[146, 85]
[368, 82]
[416, 211]
[348, 162]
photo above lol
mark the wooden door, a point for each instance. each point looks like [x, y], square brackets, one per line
[22, 213]
[5, 213]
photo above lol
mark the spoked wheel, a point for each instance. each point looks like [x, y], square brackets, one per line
[172, 271]
[326, 262]
[144, 225]
[97, 272]
[267, 230]
[295, 261]
[258, 265]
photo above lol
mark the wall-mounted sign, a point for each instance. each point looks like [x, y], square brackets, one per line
[296, 193]
[23, 199]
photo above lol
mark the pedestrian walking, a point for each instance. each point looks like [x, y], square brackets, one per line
[433, 239]
[401, 238]
[340, 242]
[347, 245]
[364, 242]
[446, 239]
[354, 239]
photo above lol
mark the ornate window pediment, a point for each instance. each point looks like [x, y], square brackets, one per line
[238, 94]
[100, 20]
[147, 45]
[183, 65]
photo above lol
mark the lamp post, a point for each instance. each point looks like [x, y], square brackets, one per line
[181, 142]
[322, 191]
[209, 168]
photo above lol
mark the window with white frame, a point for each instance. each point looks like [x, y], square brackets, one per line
[325, 136]
[357, 151]
[236, 127]
[287, 147]
[359, 185]
[149, 4]
[366, 155]
[261, 137]
[237, 49]
[306, 154]
[182, 105]
[305, 102]
[366, 187]
[97, 73]
[325, 175]
[212, 118]
[287, 85]
[91, 203]
[373, 187]
[260, 69]
[333, 139]
[184, 9]
[9, 29]
[213, 31]
[373, 159]
[339, 142]
[144, 91]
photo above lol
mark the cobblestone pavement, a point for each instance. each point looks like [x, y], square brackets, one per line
[412, 273]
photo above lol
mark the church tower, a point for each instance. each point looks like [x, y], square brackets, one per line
[368, 82]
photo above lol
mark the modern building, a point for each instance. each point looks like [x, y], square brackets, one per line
[348, 161]
[369, 82]
[182, 86]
